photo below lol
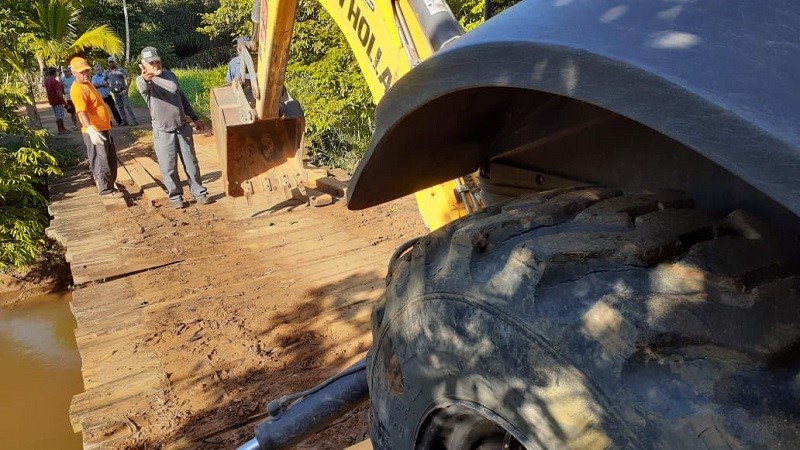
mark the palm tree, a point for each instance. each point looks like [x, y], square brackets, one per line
[50, 33]
[54, 35]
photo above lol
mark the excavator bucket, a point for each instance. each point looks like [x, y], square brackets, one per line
[258, 127]
[256, 155]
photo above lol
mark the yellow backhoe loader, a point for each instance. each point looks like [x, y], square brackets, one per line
[633, 278]
[259, 127]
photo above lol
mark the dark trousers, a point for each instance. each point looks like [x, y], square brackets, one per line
[110, 102]
[102, 162]
[171, 145]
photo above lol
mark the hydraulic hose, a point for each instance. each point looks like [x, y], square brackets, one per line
[312, 410]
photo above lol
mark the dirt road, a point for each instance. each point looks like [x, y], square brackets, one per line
[228, 305]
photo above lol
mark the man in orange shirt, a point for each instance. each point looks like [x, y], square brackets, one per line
[95, 118]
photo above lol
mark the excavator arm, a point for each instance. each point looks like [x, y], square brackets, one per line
[259, 127]
[387, 37]
[274, 34]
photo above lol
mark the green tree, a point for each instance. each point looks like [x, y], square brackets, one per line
[171, 26]
[22, 207]
[53, 33]
[12, 58]
[323, 75]
[23, 163]
[179, 20]
[230, 20]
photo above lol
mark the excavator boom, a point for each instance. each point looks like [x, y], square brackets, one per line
[274, 37]
[259, 128]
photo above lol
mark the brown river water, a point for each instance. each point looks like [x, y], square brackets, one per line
[41, 372]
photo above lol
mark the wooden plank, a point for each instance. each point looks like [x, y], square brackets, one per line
[146, 175]
[363, 445]
[110, 396]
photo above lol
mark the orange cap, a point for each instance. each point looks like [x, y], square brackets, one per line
[79, 64]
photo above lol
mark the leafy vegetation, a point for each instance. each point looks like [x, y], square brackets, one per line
[34, 34]
[24, 167]
[230, 20]
[323, 75]
[52, 33]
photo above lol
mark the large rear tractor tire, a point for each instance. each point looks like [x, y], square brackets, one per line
[587, 318]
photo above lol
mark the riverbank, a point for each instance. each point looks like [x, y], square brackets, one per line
[50, 274]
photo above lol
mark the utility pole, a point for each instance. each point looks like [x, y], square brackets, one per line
[127, 33]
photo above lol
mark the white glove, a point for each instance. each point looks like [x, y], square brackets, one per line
[96, 136]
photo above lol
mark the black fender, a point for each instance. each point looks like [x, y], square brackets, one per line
[718, 76]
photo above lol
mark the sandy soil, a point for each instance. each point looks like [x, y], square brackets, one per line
[242, 327]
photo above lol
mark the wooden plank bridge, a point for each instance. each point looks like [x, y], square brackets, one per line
[190, 321]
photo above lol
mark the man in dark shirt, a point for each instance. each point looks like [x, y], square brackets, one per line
[55, 97]
[119, 80]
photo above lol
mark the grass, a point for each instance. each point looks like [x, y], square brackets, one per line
[136, 134]
[66, 152]
[195, 83]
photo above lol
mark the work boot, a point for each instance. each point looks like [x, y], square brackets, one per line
[203, 200]
[113, 194]
[178, 203]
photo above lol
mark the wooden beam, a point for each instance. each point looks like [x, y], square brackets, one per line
[274, 38]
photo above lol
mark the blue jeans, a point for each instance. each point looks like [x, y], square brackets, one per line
[170, 145]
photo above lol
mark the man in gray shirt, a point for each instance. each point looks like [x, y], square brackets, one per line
[172, 132]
